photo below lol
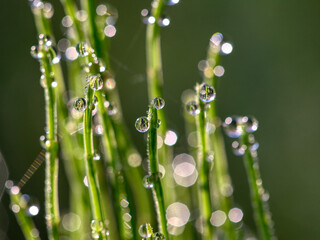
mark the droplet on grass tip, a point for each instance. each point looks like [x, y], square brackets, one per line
[206, 93]
[158, 102]
[80, 104]
[142, 124]
[193, 108]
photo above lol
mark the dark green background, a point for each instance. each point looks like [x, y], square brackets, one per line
[273, 74]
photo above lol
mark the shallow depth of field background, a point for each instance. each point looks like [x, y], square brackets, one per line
[273, 74]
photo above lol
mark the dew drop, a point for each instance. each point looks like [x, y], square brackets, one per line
[148, 181]
[158, 236]
[142, 124]
[95, 100]
[193, 108]
[145, 230]
[158, 123]
[53, 55]
[158, 102]
[232, 127]
[96, 156]
[238, 149]
[111, 108]
[35, 53]
[96, 225]
[172, 2]
[95, 81]
[83, 49]
[207, 93]
[80, 104]
[226, 48]
[45, 40]
[110, 83]
[163, 21]
[43, 140]
[250, 124]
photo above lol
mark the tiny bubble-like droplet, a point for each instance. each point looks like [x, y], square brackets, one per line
[232, 127]
[45, 40]
[163, 21]
[43, 140]
[95, 81]
[145, 230]
[96, 225]
[95, 100]
[158, 102]
[148, 181]
[238, 149]
[112, 109]
[80, 104]
[158, 123]
[35, 53]
[250, 124]
[158, 236]
[96, 156]
[207, 93]
[193, 108]
[142, 124]
[53, 55]
[83, 49]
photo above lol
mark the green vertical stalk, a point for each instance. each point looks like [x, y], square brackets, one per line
[155, 87]
[154, 172]
[51, 183]
[260, 207]
[26, 223]
[94, 192]
[204, 174]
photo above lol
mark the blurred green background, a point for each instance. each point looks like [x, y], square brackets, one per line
[273, 74]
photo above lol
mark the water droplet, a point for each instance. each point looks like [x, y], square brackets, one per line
[45, 40]
[145, 230]
[35, 53]
[163, 21]
[95, 81]
[238, 149]
[96, 225]
[210, 156]
[54, 84]
[158, 236]
[158, 123]
[96, 157]
[207, 93]
[53, 55]
[232, 127]
[95, 235]
[193, 108]
[250, 124]
[110, 31]
[83, 49]
[48, 10]
[148, 181]
[158, 102]
[43, 140]
[95, 100]
[147, 18]
[216, 38]
[142, 124]
[80, 104]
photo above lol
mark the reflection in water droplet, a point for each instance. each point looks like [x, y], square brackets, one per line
[145, 230]
[207, 93]
[80, 104]
[95, 81]
[142, 124]
[158, 102]
[193, 108]
[83, 49]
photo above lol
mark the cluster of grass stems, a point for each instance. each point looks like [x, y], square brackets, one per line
[116, 205]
